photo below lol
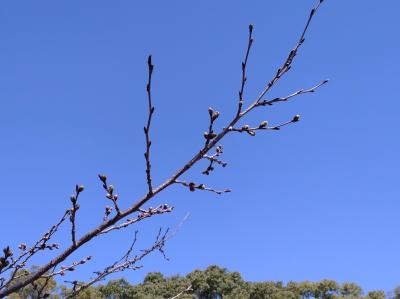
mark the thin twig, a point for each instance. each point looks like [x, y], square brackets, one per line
[75, 208]
[71, 267]
[126, 262]
[161, 209]
[214, 159]
[244, 65]
[147, 128]
[187, 290]
[193, 186]
[297, 93]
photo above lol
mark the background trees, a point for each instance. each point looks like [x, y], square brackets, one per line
[212, 283]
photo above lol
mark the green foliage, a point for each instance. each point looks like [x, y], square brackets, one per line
[376, 295]
[42, 286]
[212, 283]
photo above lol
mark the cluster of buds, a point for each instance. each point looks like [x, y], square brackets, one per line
[43, 246]
[110, 194]
[213, 114]
[72, 267]
[214, 159]
[213, 117]
[74, 198]
[193, 186]
[109, 188]
[164, 208]
[4, 259]
[263, 126]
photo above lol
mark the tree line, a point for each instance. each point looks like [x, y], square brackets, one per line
[212, 283]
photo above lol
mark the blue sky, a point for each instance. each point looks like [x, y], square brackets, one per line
[316, 200]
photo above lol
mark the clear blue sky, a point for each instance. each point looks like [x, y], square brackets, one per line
[316, 200]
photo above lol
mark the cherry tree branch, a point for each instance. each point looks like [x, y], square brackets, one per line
[212, 139]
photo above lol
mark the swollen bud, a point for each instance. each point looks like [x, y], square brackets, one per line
[192, 187]
[251, 28]
[73, 199]
[264, 124]
[110, 189]
[215, 116]
[7, 252]
[102, 178]
[108, 210]
[209, 136]
[296, 118]
[79, 189]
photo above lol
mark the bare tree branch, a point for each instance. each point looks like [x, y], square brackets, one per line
[212, 139]
[193, 186]
[126, 262]
[297, 93]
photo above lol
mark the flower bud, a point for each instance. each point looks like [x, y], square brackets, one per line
[110, 189]
[73, 199]
[215, 116]
[251, 28]
[80, 188]
[102, 178]
[264, 124]
[209, 136]
[296, 118]
[108, 210]
[192, 187]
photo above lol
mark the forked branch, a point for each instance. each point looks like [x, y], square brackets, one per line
[119, 219]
